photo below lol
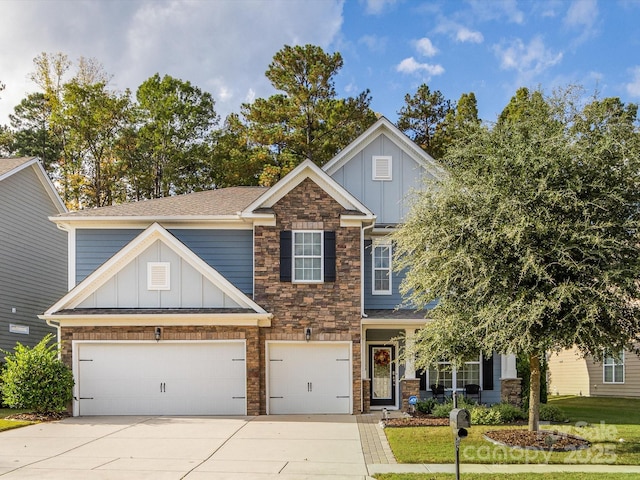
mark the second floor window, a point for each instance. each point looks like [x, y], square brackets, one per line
[381, 268]
[307, 256]
[613, 367]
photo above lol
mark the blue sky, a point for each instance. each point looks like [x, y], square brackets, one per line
[489, 47]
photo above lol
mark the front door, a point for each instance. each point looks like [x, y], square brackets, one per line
[383, 375]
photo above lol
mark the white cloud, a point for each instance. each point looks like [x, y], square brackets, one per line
[223, 47]
[633, 87]
[527, 60]
[425, 47]
[411, 66]
[459, 33]
[582, 15]
[492, 10]
[376, 7]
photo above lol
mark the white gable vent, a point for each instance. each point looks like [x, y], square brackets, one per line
[382, 168]
[158, 277]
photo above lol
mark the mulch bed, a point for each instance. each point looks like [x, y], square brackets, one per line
[541, 440]
[38, 417]
[516, 438]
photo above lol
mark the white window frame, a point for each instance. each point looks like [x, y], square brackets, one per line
[453, 372]
[153, 268]
[294, 257]
[375, 171]
[381, 244]
[612, 364]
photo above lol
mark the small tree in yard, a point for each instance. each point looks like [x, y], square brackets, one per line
[35, 379]
[531, 243]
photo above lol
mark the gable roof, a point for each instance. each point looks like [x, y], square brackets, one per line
[308, 169]
[384, 126]
[121, 259]
[11, 166]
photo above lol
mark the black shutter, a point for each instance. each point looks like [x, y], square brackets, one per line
[487, 373]
[285, 255]
[329, 256]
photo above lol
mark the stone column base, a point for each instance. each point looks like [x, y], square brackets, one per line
[511, 391]
[408, 388]
[366, 395]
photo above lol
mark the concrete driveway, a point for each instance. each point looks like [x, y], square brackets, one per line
[194, 448]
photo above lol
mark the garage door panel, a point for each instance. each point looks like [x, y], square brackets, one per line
[309, 378]
[195, 378]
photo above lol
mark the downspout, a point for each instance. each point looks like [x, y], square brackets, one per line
[362, 315]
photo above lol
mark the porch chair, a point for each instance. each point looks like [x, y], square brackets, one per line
[473, 389]
[437, 391]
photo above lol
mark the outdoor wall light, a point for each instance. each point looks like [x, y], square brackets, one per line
[158, 333]
[307, 334]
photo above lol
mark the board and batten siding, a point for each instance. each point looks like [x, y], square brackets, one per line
[388, 199]
[33, 258]
[230, 252]
[187, 288]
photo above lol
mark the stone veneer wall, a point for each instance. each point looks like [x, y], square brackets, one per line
[408, 387]
[331, 309]
[511, 391]
[249, 334]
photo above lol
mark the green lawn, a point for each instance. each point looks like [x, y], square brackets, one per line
[612, 425]
[507, 476]
[9, 424]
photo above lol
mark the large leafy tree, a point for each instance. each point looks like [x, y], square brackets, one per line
[531, 243]
[175, 121]
[93, 117]
[422, 116]
[31, 124]
[305, 119]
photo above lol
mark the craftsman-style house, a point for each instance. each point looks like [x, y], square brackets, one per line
[251, 300]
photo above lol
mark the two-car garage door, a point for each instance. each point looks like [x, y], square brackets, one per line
[188, 378]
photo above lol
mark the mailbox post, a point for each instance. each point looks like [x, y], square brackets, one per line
[460, 420]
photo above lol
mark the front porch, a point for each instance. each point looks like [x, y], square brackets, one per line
[388, 381]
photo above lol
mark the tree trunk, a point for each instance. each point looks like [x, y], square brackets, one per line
[534, 392]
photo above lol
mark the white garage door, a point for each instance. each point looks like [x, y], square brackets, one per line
[194, 378]
[309, 378]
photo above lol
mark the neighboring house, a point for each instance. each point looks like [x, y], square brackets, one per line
[33, 251]
[248, 300]
[613, 375]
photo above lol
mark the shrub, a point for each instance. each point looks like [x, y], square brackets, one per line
[482, 415]
[35, 379]
[510, 413]
[442, 410]
[426, 406]
[551, 413]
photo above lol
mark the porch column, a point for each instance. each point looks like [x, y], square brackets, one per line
[409, 365]
[508, 366]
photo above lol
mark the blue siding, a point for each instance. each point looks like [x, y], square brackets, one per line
[372, 302]
[230, 252]
[94, 247]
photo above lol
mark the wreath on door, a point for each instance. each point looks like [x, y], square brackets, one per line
[382, 358]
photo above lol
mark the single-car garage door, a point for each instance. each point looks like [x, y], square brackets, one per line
[187, 378]
[309, 377]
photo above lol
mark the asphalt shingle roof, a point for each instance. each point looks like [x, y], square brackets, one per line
[8, 164]
[224, 201]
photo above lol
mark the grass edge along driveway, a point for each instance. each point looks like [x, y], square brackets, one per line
[9, 424]
[507, 476]
[611, 424]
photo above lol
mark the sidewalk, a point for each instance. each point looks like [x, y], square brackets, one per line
[380, 459]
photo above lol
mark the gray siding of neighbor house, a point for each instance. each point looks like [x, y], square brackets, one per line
[387, 199]
[230, 252]
[33, 258]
